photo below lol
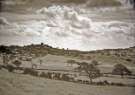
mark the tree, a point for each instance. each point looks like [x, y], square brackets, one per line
[5, 50]
[92, 71]
[122, 70]
[42, 44]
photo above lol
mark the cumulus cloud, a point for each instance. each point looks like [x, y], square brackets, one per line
[67, 27]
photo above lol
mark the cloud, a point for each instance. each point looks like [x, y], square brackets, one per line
[66, 27]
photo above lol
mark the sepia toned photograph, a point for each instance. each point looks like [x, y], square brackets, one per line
[67, 47]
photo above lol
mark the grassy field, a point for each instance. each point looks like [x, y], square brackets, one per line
[17, 84]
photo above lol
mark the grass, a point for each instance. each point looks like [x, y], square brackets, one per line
[16, 84]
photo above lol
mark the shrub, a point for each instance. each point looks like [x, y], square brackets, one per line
[43, 74]
[117, 84]
[129, 60]
[65, 77]
[10, 68]
[30, 71]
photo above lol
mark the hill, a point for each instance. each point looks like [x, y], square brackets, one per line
[108, 56]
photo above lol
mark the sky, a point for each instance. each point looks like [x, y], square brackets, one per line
[73, 27]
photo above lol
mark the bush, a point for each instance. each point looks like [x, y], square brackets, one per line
[30, 71]
[65, 77]
[10, 68]
[43, 74]
[129, 60]
[117, 84]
